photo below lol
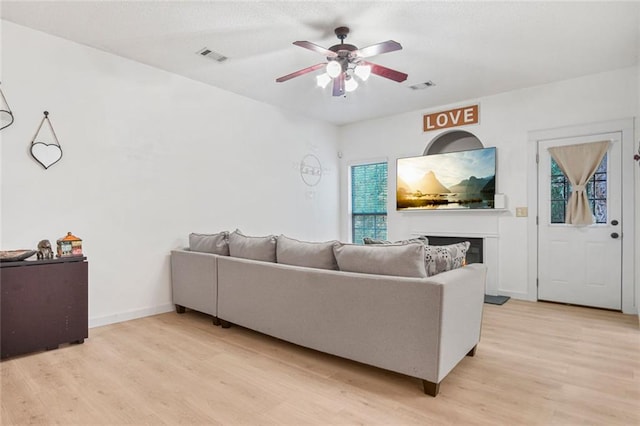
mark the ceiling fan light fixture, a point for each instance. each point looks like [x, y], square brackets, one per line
[334, 69]
[345, 61]
[323, 80]
[363, 72]
[351, 84]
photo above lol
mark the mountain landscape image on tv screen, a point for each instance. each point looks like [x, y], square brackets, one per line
[453, 180]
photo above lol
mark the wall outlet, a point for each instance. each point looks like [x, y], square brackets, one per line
[521, 212]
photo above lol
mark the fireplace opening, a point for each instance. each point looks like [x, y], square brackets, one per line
[475, 252]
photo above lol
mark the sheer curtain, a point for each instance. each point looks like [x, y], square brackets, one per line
[579, 162]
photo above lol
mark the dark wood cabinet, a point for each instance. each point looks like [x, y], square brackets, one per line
[43, 304]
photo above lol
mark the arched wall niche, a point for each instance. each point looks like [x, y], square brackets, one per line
[454, 140]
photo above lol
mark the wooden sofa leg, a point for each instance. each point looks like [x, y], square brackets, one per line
[216, 321]
[224, 324]
[180, 309]
[472, 352]
[431, 388]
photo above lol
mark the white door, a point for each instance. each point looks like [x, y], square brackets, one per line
[580, 265]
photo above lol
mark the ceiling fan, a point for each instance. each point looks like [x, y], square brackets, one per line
[345, 61]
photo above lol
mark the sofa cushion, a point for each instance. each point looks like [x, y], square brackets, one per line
[210, 243]
[256, 248]
[309, 254]
[403, 260]
[423, 240]
[444, 258]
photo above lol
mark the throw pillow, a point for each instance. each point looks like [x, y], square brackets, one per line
[256, 248]
[423, 240]
[210, 243]
[444, 258]
[402, 260]
[302, 253]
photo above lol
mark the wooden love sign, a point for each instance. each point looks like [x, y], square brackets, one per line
[451, 118]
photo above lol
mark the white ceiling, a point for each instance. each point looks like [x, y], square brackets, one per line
[468, 49]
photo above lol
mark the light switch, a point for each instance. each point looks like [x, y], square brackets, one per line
[521, 212]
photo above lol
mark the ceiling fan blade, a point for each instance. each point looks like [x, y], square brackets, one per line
[386, 72]
[300, 72]
[319, 49]
[378, 49]
[338, 85]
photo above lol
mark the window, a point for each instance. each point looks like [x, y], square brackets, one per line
[596, 192]
[369, 201]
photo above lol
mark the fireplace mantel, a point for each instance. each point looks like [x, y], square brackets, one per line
[457, 234]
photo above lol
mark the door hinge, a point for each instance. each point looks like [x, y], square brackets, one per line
[537, 220]
[537, 283]
[537, 158]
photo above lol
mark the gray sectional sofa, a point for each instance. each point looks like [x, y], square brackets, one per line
[415, 325]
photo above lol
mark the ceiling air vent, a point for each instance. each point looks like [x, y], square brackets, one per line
[208, 53]
[421, 86]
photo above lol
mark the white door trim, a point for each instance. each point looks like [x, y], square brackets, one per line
[625, 126]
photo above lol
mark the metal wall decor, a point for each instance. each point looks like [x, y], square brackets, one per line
[45, 153]
[310, 170]
[6, 116]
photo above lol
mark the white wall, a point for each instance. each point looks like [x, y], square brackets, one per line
[637, 183]
[148, 157]
[505, 120]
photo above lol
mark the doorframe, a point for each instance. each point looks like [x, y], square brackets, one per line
[625, 127]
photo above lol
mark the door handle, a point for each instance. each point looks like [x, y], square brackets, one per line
[614, 222]
[614, 235]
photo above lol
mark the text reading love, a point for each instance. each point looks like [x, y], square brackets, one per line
[451, 118]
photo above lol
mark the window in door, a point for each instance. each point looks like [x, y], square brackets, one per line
[596, 192]
[369, 201]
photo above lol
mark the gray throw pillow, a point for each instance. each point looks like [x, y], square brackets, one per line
[210, 243]
[256, 248]
[402, 260]
[444, 258]
[309, 254]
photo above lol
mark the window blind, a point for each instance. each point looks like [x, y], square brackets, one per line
[369, 201]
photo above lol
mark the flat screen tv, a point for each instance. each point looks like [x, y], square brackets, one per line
[453, 180]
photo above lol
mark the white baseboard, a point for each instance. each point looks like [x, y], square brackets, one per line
[129, 315]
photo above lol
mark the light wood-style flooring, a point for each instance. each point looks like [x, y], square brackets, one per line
[537, 363]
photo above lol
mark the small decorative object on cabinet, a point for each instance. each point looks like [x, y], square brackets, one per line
[69, 245]
[44, 304]
[15, 255]
[44, 250]
[49, 152]
[6, 116]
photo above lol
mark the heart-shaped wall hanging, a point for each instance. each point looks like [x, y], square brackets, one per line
[45, 153]
[6, 116]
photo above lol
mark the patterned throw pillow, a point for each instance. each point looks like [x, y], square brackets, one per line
[445, 258]
[423, 240]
